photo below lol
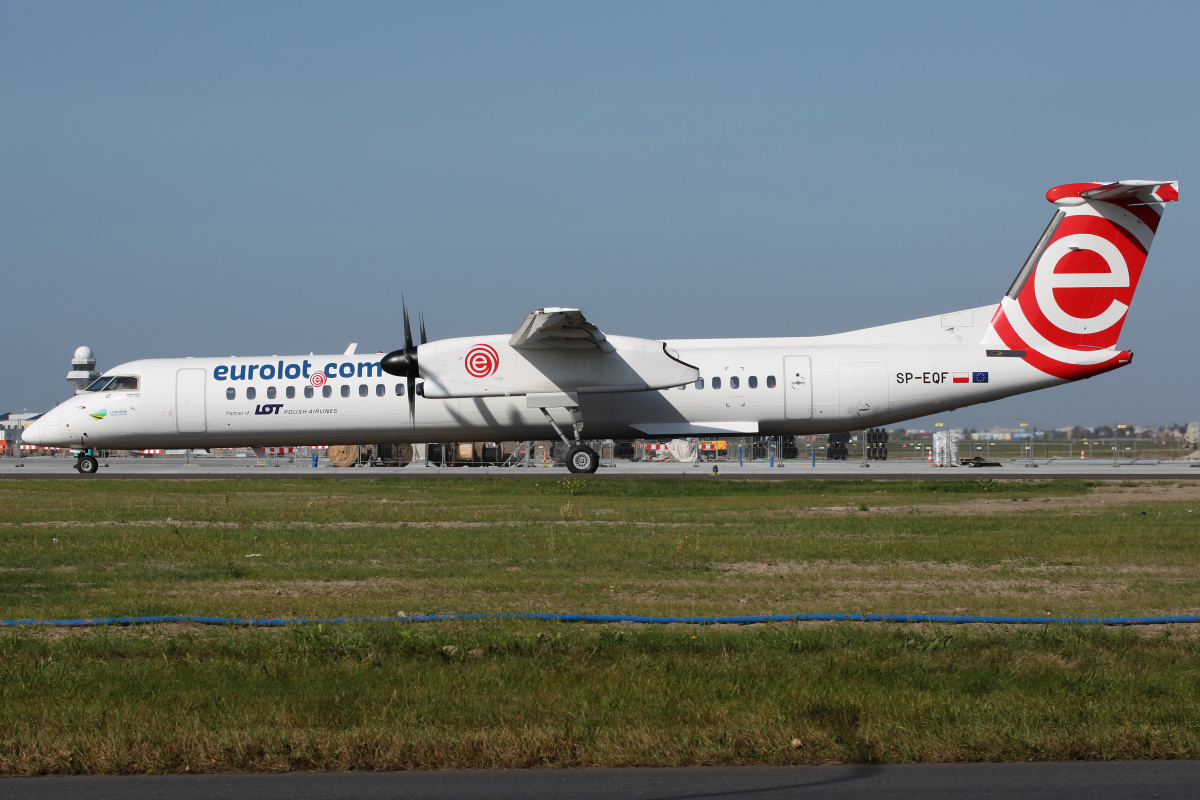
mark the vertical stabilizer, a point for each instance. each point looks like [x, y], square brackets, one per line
[1068, 303]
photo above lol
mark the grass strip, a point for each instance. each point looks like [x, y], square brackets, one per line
[505, 696]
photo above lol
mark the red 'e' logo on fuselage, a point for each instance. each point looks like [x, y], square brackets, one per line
[482, 360]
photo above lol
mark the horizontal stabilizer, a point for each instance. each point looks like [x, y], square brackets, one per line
[1120, 192]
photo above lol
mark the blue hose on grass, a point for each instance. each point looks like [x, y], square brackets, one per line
[753, 620]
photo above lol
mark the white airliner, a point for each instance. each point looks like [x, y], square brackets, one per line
[1058, 322]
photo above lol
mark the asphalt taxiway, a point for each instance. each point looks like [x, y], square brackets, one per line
[1107, 780]
[205, 467]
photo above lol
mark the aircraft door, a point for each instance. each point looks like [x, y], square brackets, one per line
[863, 389]
[190, 416]
[797, 387]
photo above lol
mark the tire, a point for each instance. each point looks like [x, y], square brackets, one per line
[582, 459]
[88, 465]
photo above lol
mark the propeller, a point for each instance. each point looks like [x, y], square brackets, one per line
[403, 363]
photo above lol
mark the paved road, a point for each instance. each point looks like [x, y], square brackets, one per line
[214, 468]
[1095, 781]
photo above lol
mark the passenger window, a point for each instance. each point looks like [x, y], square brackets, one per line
[734, 382]
[399, 390]
[345, 390]
[770, 381]
[700, 383]
[753, 381]
[362, 390]
[308, 391]
[327, 391]
[716, 383]
[290, 392]
[380, 391]
[230, 393]
[271, 392]
[250, 393]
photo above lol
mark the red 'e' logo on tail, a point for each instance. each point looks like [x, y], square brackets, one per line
[1069, 312]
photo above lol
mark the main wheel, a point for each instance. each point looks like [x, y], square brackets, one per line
[88, 465]
[582, 458]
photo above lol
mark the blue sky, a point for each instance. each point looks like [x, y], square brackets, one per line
[268, 177]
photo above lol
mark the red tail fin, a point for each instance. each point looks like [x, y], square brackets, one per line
[1068, 304]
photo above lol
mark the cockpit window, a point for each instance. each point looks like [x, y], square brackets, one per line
[114, 383]
[123, 383]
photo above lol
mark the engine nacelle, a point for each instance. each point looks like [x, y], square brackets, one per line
[488, 366]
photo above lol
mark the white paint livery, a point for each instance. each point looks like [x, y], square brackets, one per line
[560, 370]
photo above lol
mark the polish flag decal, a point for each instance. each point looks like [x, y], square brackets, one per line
[961, 377]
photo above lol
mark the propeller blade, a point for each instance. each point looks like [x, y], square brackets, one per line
[408, 342]
[403, 362]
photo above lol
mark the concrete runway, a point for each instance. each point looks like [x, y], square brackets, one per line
[1107, 780]
[204, 467]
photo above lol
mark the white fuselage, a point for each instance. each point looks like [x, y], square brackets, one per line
[866, 378]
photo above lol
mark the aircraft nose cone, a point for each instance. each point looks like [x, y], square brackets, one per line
[45, 430]
[33, 434]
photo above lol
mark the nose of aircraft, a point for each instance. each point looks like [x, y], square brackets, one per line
[45, 429]
[32, 434]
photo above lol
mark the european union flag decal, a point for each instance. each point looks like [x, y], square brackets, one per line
[979, 377]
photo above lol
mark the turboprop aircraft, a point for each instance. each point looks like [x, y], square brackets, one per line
[1058, 322]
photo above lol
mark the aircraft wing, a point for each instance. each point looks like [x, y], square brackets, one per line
[558, 329]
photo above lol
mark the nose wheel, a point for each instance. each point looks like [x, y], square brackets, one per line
[582, 459]
[87, 465]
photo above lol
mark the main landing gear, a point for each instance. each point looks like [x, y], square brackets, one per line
[581, 459]
[87, 463]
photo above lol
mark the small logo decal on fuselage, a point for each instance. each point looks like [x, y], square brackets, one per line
[268, 408]
[482, 360]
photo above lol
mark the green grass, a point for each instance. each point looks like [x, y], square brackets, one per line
[492, 694]
[361, 548]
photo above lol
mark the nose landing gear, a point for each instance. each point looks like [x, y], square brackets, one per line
[87, 463]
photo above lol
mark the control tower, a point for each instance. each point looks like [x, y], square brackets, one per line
[83, 369]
